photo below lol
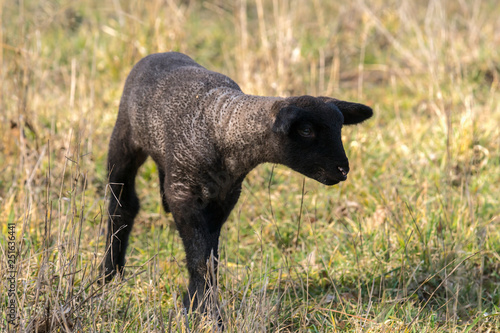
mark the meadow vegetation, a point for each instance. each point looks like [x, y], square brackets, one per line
[410, 242]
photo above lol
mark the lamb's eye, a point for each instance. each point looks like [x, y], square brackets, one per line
[306, 131]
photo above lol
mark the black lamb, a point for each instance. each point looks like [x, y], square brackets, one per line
[205, 136]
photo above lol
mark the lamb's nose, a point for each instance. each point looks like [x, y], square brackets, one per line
[344, 171]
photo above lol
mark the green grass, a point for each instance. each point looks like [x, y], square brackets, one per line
[411, 242]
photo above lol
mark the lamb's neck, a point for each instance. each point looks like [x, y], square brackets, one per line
[243, 130]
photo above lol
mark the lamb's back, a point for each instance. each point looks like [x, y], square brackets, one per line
[165, 99]
[168, 77]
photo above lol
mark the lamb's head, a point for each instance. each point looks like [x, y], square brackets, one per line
[308, 132]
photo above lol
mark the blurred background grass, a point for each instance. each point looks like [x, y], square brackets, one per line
[410, 242]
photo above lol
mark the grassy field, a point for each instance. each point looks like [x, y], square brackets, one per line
[410, 242]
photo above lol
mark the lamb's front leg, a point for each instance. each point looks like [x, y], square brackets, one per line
[199, 223]
[202, 262]
[200, 236]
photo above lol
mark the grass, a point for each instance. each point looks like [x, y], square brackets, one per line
[411, 242]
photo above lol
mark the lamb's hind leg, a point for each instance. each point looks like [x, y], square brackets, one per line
[123, 162]
[164, 202]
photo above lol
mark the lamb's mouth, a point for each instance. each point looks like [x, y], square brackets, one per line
[323, 177]
[330, 182]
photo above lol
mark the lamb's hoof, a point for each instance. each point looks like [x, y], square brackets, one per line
[220, 325]
[106, 275]
[200, 314]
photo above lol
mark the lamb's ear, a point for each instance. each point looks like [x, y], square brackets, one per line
[354, 113]
[285, 117]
